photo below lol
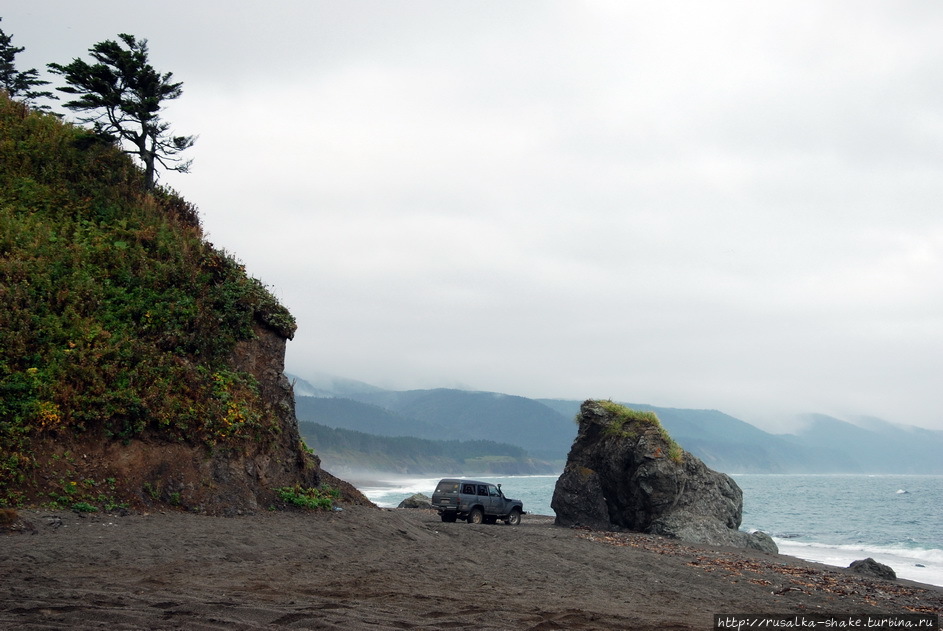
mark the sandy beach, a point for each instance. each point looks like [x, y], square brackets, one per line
[369, 568]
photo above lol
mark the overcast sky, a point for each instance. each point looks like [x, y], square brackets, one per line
[730, 205]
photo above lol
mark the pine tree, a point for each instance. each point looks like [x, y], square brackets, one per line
[122, 96]
[20, 84]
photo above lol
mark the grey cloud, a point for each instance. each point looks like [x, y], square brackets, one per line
[730, 205]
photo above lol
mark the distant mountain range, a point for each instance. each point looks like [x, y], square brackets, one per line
[545, 429]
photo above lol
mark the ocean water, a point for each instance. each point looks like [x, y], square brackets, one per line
[836, 519]
[831, 519]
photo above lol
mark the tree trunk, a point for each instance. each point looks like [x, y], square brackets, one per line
[148, 158]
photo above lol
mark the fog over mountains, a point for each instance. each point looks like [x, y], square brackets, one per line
[545, 429]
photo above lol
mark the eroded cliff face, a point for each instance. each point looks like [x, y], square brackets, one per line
[626, 475]
[237, 477]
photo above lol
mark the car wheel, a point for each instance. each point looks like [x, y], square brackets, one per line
[476, 516]
[514, 518]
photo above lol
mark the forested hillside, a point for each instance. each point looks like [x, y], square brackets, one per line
[344, 450]
[365, 417]
[545, 428]
[545, 434]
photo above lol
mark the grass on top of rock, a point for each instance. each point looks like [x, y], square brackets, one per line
[625, 421]
[625, 415]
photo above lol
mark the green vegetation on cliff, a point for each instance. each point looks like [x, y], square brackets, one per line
[629, 423]
[117, 319]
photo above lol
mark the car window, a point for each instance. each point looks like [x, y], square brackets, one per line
[482, 489]
[469, 489]
[493, 491]
[447, 487]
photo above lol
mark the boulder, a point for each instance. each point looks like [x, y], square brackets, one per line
[416, 501]
[694, 528]
[578, 499]
[870, 567]
[761, 541]
[624, 472]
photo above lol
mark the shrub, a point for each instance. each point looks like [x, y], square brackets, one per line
[307, 497]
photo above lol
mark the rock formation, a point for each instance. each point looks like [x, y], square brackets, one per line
[417, 500]
[624, 472]
[870, 567]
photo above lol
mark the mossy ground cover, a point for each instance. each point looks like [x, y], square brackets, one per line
[116, 316]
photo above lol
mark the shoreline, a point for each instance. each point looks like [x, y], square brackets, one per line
[913, 568]
[920, 564]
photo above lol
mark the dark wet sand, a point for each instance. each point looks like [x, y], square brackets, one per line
[367, 568]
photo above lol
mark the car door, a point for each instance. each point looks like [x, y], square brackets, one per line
[484, 498]
[467, 495]
[495, 501]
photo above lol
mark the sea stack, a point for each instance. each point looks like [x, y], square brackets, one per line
[624, 472]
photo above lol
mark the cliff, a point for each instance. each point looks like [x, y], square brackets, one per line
[139, 365]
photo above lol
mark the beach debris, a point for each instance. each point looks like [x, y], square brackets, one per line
[10, 521]
[784, 576]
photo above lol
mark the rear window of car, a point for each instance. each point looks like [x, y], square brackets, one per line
[447, 487]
